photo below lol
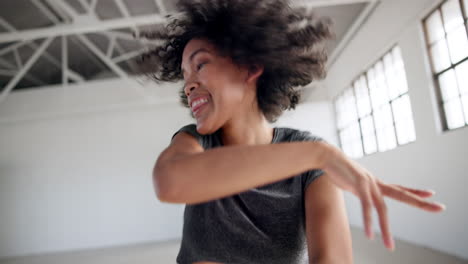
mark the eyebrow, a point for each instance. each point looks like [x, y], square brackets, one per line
[195, 53]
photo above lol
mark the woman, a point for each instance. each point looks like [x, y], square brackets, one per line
[253, 193]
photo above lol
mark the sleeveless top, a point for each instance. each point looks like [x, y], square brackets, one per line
[261, 225]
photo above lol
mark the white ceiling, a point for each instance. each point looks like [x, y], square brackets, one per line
[95, 37]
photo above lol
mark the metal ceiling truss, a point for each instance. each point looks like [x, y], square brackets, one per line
[67, 21]
[70, 23]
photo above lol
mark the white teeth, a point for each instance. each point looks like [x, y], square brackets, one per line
[200, 101]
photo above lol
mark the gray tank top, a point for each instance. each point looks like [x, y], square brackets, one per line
[261, 225]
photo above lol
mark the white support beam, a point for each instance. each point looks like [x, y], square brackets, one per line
[13, 47]
[111, 46]
[57, 63]
[114, 67]
[85, 5]
[90, 46]
[65, 16]
[6, 25]
[126, 36]
[19, 63]
[324, 3]
[80, 28]
[64, 8]
[64, 61]
[124, 10]
[92, 6]
[129, 63]
[44, 10]
[127, 56]
[161, 6]
[32, 45]
[12, 83]
[93, 26]
[28, 77]
[74, 76]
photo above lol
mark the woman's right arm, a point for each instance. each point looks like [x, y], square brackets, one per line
[186, 173]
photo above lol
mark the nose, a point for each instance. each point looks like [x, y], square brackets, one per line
[189, 88]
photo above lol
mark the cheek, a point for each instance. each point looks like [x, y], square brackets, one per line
[229, 99]
[225, 86]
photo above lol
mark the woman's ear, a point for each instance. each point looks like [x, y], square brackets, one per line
[254, 73]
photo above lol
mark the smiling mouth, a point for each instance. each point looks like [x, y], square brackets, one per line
[199, 108]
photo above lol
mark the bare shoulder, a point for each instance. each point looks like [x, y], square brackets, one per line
[182, 143]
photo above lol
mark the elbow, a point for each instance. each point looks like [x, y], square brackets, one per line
[163, 186]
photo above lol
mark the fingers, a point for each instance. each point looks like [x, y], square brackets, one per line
[418, 192]
[408, 197]
[371, 196]
[381, 209]
[366, 202]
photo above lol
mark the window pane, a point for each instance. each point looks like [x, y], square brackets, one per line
[452, 15]
[355, 137]
[440, 56]
[362, 97]
[454, 114]
[350, 112]
[378, 90]
[381, 83]
[356, 147]
[339, 112]
[384, 128]
[462, 76]
[368, 134]
[448, 85]
[435, 30]
[403, 119]
[344, 141]
[372, 85]
[350, 140]
[390, 137]
[458, 44]
[390, 76]
[465, 107]
[400, 70]
[341, 106]
[342, 134]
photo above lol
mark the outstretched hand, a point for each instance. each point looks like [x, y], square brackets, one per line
[350, 176]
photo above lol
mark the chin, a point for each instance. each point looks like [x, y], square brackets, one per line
[205, 128]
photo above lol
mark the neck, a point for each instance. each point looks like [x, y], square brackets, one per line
[249, 128]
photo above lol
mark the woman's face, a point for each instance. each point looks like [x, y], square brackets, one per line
[216, 80]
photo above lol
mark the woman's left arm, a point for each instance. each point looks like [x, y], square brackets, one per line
[327, 227]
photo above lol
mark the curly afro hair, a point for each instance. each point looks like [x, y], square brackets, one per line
[287, 42]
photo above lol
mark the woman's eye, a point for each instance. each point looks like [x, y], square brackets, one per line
[200, 65]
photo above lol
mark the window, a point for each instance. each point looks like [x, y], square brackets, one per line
[447, 42]
[374, 113]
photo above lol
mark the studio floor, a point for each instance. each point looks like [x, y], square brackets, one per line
[365, 252]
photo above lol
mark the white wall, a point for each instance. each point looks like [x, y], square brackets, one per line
[436, 160]
[75, 169]
[76, 163]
